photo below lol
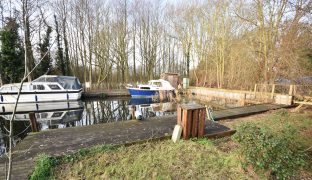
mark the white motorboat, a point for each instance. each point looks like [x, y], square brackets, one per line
[39, 107]
[46, 88]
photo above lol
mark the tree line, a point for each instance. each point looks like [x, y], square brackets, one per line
[224, 44]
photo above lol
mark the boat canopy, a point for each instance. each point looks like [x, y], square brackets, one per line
[161, 83]
[67, 82]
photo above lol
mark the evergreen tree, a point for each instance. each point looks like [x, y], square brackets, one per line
[12, 53]
[45, 64]
[60, 64]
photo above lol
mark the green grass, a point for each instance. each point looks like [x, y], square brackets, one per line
[278, 154]
[45, 164]
[44, 167]
[282, 121]
[157, 160]
[198, 159]
[278, 144]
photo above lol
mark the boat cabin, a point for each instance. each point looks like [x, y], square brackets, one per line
[67, 82]
[45, 83]
[157, 84]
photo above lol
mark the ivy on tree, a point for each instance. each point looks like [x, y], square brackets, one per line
[45, 64]
[11, 53]
[60, 64]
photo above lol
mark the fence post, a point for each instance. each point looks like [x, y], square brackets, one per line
[273, 90]
[291, 88]
[242, 100]
[255, 90]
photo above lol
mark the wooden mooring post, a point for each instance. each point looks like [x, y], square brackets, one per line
[33, 122]
[192, 120]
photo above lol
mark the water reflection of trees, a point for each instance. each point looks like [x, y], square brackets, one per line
[104, 111]
[20, 130]
[107, 111]
[95, 112]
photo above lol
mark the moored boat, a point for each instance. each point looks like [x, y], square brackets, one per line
[40, 107]
[151, 89]
[46, 88]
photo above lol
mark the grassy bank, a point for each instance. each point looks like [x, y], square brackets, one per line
[218, 159]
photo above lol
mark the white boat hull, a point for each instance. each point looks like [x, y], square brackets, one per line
[40, 107]
[10, 98]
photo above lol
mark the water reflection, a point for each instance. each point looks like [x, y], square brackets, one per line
[81, 113]
[2, 143]
[77, 113]
[62, 115]
[21, 128]
[106, 111]
[24, 108]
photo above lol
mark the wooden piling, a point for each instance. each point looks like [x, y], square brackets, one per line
[133, 112]
[195, 122]
[201, 126]
[192, 119]
[179, 115]
[33, 122]
[186, 123]
[162, 96]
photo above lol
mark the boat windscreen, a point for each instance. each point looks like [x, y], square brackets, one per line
[46, 79]
[67, 82]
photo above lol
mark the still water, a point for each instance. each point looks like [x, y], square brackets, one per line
[81, 113]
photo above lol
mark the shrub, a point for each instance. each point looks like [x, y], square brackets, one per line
[267, 151]
[44, 167]
[103, 95]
